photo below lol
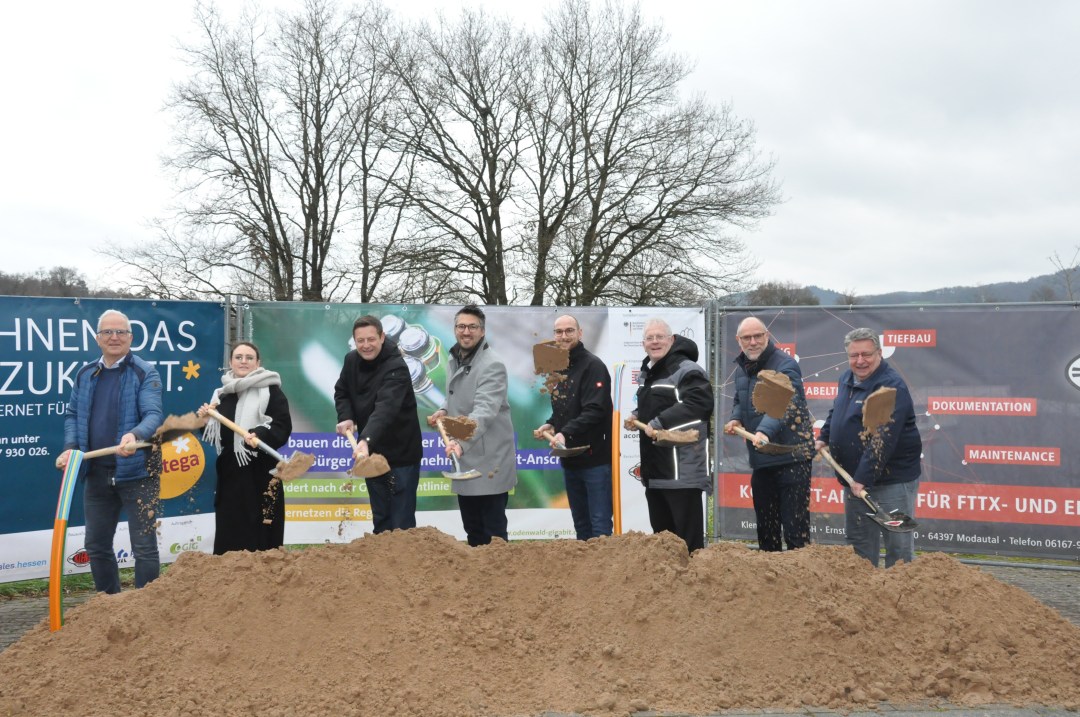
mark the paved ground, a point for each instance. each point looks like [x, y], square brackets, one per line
[1058, 589]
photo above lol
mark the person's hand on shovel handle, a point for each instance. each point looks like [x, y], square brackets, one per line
[858, 489]
[433, 419]
[632, 423]
[760, 439]
[360, 448]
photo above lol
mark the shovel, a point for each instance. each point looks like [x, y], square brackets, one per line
[772, 393]
[172, 427]
[370, 466]
[560, 450]
[458, 474]
[894, 520]
[289, 468]
[670, 439]
[878, 408]
[769, 449]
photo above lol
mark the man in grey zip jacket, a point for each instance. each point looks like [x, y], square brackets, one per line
[477, 386]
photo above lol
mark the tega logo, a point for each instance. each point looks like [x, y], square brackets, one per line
[182, 464]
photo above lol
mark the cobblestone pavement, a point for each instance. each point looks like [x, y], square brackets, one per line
[1056, 588]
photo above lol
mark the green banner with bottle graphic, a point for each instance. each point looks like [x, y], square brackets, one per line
[307, 343]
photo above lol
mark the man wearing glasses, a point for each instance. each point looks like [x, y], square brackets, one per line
[674, 394]
[888, 465]
[581, 416]
[477, 386]
[116, 401]
[780, 483]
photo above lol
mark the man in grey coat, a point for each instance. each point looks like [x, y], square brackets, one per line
[477, 387]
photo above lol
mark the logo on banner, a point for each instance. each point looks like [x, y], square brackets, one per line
[910, 338]
[789, 349]
[182, 464]
[1072, 372]
[79, 558]
[635, 472]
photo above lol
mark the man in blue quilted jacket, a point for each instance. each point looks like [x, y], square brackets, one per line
[780, 483]
[116, 401]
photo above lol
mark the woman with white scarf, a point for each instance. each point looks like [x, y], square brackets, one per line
[249, 504]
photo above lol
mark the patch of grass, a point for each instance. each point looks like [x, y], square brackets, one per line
[76, 584]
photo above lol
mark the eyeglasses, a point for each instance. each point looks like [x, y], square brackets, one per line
[655, 337]
[565, 332]
[748, 338]
[114, 332]
[865, 355]
[468, 327]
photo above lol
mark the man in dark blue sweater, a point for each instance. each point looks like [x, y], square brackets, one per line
[116, 401]
[888, 464]
[581, 411]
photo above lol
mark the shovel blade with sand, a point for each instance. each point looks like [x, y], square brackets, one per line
[560, 450]
[287, 469]
[893, 520]
[772, 393]
[372, 465]
[878, 409]
[549, 358]
[457, 473]
[767, 448]
[671, 439]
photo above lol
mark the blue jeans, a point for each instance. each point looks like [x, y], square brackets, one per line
[865, 535]
[589, 493]
[393, 498]
[102, 501]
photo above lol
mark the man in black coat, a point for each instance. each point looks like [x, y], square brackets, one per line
[374, 397]
[581, 411]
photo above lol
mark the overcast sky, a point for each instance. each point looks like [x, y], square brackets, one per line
[919, 145]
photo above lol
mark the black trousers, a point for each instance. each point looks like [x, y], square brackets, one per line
[680, 512]
[484, 517]
[782, 505]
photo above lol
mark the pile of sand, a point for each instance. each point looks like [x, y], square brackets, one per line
[417, 624]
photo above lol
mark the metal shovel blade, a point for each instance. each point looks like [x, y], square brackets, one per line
[457, 473]
[769, 449]
[894, 521]
[295, 466]
[561, 451]
[371, 466]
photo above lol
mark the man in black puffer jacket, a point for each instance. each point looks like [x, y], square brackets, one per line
[780, 483]
[674, 394]
[374, 397]
[581, 416]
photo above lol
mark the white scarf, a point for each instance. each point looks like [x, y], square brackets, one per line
[253, 395]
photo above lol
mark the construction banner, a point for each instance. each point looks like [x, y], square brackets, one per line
[307, 343]
[43, 344]
[997, 400]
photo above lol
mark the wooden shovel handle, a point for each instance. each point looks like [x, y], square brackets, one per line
[840, 470]
[442, 432]
[643, 426]
[99, 452]
[242, 433]
[742, 432]
[551, 437]
[352, 439]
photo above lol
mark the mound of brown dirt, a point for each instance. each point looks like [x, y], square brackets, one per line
[417, 624]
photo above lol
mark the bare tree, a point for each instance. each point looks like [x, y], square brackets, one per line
[282, 160]
[1067, 272]
[463, 122]
[781, 293]
[625, 173]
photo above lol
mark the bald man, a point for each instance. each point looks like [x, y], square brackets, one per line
[581, 411]
[780, 483]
